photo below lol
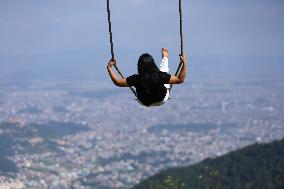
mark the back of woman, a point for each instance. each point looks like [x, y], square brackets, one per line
[152, 83]
[150, 87]
[149, 82]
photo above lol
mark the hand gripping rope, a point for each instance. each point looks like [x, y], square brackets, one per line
[181, 38]
[111, 45]
[111, 41]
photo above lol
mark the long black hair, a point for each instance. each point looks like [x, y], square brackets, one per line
[147, 70]
[146, 65]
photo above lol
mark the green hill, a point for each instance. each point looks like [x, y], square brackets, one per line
[258, 166]
[7, 166]
[12, 135]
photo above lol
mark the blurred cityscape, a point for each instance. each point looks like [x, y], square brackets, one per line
[81, 136]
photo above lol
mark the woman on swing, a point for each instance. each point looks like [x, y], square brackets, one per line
[152, 84]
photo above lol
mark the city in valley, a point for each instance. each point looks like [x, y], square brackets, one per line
[81, 135]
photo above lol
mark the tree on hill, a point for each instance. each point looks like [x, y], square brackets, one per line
[258, 166]
[168, 183]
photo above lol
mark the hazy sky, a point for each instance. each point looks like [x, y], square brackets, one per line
[211, 28]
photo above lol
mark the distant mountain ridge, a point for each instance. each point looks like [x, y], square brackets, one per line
[51, 66]
[13, 134]
[259, 166]
[90, 64]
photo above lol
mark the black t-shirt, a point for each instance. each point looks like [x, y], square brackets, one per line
[150, 87]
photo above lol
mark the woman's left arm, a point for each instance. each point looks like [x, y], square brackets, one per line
[115, 80]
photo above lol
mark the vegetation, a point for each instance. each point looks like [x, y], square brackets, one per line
[168, 183]
[12, 135]
[193, 127]
[257, 166]
[57, 129]
[7, 166]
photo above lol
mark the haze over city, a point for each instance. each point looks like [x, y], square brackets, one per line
[70, 38]
[64, 124]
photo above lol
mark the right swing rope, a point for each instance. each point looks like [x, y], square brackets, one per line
[181, 41]
[181, 38]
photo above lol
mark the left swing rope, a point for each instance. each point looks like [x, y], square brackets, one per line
[111, 45]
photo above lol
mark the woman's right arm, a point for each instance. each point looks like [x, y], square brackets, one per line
[180, 78]
[114, 78]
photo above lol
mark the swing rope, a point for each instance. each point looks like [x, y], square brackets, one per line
[181, 38]
[111, 45]
[181, 41]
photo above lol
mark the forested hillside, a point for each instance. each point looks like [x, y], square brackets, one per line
[257, 166]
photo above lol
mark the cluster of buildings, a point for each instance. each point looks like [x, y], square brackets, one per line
[120, 149]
